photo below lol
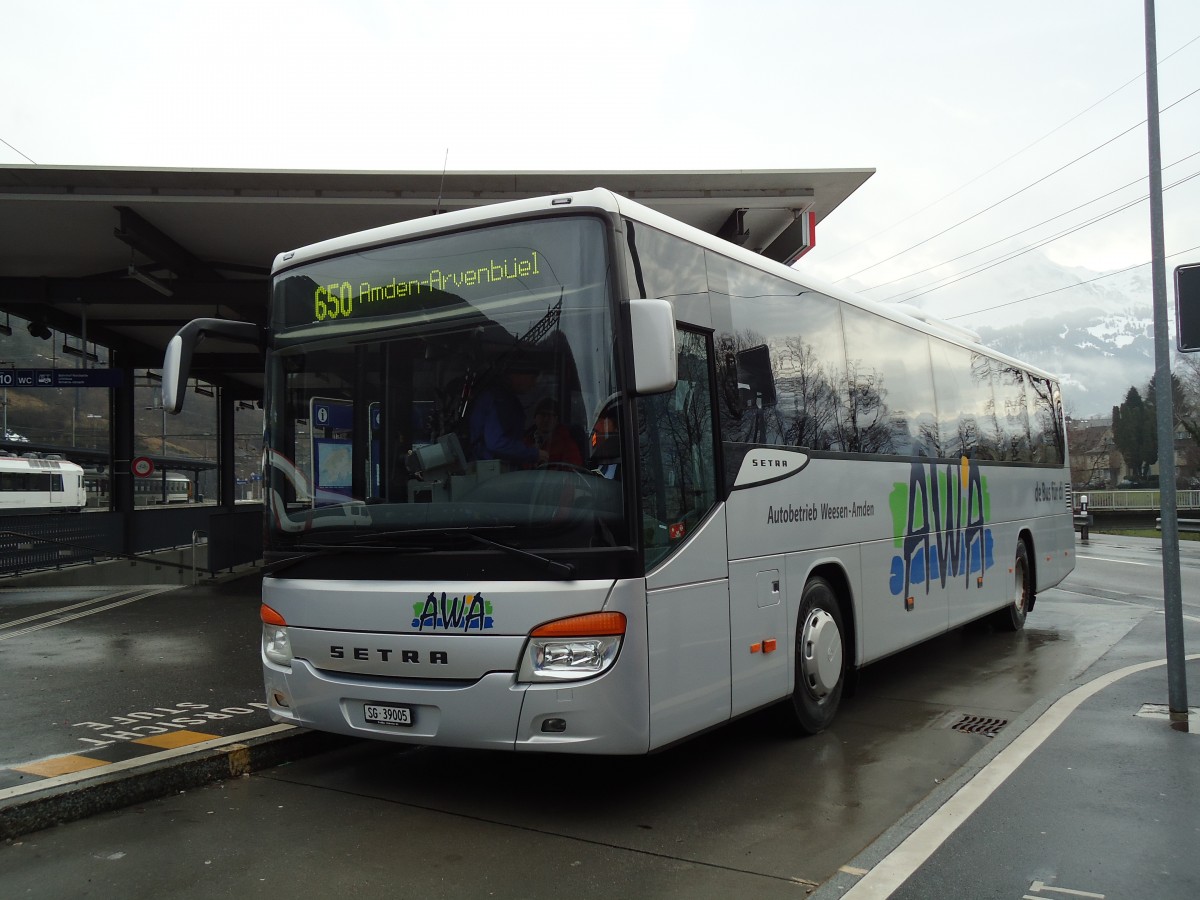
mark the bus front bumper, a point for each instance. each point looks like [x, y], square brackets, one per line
[600, 715]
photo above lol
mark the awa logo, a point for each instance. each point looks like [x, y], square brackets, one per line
[470, 612]
[940, 525]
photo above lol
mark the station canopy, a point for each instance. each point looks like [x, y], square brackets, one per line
[123, 257]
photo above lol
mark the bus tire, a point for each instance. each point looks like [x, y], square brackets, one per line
[820, 658]
[1012, 617]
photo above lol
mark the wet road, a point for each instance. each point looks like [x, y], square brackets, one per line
[741, 811]
[99, 670]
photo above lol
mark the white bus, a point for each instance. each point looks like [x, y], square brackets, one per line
[754, 484]
[40, 485]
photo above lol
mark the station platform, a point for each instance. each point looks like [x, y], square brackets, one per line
[1093, 793]
[113, 694]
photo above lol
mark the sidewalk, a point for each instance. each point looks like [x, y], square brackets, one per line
[1092, 793]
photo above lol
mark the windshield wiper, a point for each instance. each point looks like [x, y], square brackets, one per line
[315, 551]
[566, 570]
[367, 544]
[356, 547]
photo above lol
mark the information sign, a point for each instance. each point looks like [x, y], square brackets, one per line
[61, 378]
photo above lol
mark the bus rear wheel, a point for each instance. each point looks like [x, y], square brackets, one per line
[1012, 617]
[820, 659]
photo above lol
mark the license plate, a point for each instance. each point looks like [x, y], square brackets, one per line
[378, 714]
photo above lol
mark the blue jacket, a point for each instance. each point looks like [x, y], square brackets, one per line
[497, 423]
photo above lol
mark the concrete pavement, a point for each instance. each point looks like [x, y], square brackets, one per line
[1090, 793]
[114, 694]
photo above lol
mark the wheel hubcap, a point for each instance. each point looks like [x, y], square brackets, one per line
[821, 653]
[1019, 586]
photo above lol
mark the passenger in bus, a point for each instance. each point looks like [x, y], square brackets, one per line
[551, 435]
[497, 418]
[606, 446]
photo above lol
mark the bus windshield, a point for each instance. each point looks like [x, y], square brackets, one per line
[464, 382]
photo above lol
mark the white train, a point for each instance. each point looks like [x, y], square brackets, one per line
[40, 484]
[146, 491]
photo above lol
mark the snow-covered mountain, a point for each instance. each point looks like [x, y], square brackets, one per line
[1097, 336]
[1096, 352]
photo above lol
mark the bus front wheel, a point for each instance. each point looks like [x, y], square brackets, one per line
[820, 658]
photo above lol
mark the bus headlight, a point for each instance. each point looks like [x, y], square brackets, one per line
[572, 649]
[276, 644]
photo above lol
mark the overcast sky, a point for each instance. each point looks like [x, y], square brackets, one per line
[957, 103]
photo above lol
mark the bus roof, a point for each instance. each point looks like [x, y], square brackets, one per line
[605, 201]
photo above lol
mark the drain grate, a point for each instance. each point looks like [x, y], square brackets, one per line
[985, 725]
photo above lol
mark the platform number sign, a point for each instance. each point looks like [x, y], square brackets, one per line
[1187, 308]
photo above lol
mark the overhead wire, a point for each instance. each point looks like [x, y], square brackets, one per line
[1188, 43]
[1015, 193]
[1009, 158]
[997, 261]
[14, 149]
[1023, 230]
[1067, 287]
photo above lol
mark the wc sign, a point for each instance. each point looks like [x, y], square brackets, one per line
[61, 378]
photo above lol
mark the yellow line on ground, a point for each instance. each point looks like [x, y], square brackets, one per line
[141, 762]
[59, 765]
[174, 739]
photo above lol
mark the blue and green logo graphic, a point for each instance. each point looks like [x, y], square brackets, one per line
[470, 612]
[940, 524]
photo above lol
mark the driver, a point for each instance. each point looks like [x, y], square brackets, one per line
[497, 418]
[551, 435]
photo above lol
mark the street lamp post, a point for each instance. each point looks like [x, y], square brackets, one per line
[162, 447]
[91, 436]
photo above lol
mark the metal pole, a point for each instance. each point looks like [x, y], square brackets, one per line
[1164, 396]
[163, 451]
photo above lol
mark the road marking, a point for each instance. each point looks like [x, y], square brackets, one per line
[90, 612]
[1122, 562]
[895, 868]
[63, 609]
[1040, 886]
[147, 760]
[1093, 596]
[1155, 608]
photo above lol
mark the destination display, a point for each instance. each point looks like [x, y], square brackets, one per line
[438, 277]
[345, 300]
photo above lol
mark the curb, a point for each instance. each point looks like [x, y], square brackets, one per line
[114, 790]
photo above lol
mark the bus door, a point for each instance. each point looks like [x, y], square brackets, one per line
[685, 542]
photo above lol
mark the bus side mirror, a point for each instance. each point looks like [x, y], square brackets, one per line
[177, 362]
[655, 363]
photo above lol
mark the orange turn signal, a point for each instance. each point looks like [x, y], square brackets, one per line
[270, 617]
[588, 625]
